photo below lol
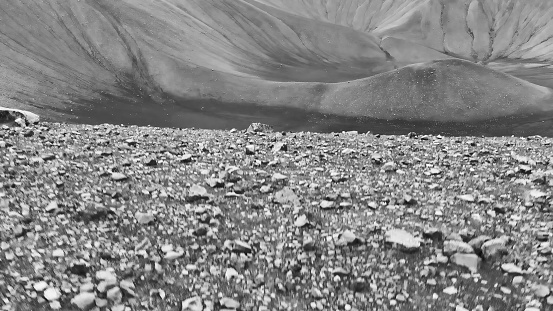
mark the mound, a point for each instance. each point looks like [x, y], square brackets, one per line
[446, 90]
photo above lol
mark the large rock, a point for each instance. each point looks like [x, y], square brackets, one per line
[259, 128]
[477, 243]
[453, 246]
[495, 248]
[11, 115]
[470, 261]
[405, 240]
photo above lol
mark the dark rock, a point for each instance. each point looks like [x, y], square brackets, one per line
[150, 161]
[79, 268]
[433, 233]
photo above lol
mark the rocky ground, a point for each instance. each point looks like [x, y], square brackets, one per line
[127, 218]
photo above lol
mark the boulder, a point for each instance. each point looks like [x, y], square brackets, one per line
[25, 117]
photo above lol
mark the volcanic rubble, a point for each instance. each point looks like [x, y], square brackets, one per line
[125, 218]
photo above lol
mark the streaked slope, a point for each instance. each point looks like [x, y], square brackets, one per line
[333, 56]
[472, 29]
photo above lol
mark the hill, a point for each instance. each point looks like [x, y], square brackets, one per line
[77, 58]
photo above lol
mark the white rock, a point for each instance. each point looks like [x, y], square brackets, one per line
[172, 255]
[278, 176]
[231, 273]
[229, 303]
[402, 238]
[118, 176]
[326, 204]
[450, 290]
[40, 286]
[58, 253]
[52, 294]
[511, 268]
[84, 300]
[144, 218]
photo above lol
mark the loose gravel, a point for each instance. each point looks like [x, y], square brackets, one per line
[138, 218]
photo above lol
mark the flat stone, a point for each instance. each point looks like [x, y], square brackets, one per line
[403, 238]
[172, 255]
[470, 261]
[197, 191]
[450, 290]
[452, 247]
[144, 218]
[118, 176]
[511, 268]
[454, 236]
[58, 253]
[466, 197]
[326, 204]
[241, 247]
[278, 177]
[229, 303]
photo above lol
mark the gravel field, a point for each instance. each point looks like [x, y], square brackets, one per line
[139, 218]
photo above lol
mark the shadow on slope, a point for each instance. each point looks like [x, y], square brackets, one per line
[211, 114]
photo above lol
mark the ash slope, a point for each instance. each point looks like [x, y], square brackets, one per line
[446, 90]
[55, 54]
